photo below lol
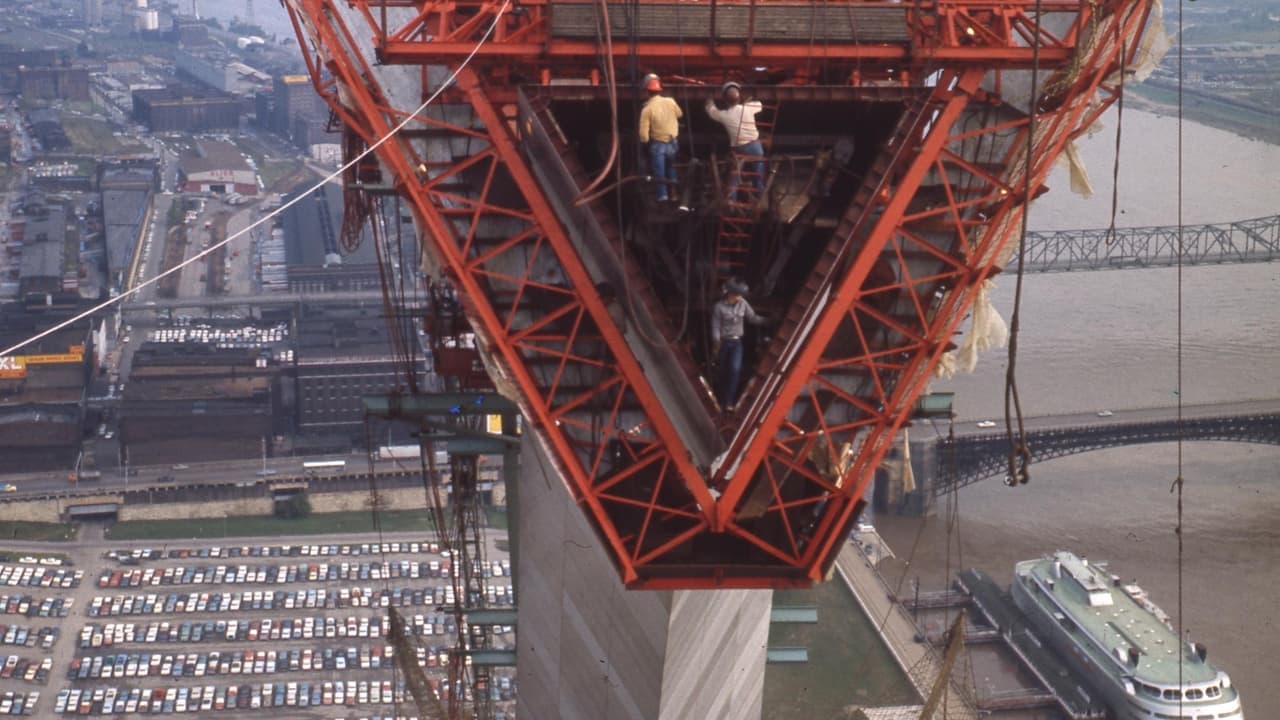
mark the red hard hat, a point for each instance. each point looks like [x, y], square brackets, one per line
[652, 83]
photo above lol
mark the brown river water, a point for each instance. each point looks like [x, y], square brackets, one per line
[1108, 340]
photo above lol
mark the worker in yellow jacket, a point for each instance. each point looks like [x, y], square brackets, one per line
[659, 129]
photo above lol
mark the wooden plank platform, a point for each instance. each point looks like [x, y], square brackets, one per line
[759, 22]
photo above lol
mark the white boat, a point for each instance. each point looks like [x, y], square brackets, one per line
[1116, 638]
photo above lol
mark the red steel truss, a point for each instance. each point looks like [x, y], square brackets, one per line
[769, 504]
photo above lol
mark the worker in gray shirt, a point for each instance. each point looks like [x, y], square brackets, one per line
[728, 318]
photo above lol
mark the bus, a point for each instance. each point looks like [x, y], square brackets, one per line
[324, 464]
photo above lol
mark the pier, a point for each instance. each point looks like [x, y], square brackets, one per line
[918, 660]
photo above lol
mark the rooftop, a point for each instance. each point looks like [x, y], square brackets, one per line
[212, 155]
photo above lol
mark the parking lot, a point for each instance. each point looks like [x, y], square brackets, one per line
[233, 629]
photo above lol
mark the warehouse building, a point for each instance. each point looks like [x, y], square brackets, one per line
[42, 387]
[185, 109]
[216, 167]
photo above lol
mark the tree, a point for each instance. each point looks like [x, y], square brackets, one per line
[295, 506]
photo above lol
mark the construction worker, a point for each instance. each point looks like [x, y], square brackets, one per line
[659, 129]
[739, 120]
[728, 319]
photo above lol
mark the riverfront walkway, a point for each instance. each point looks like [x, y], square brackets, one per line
[918, 660]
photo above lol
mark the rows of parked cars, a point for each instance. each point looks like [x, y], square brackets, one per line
[299, 657]
[217, 602]
[20, 668]
[278, 574]
[298, 550]
[30, 606]
[265, 629]
[40, 576]
[18, 703]
[209, 698]
[24, 636]
[236, 662]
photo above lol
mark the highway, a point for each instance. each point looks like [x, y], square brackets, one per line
[338, 296]
[214, 473]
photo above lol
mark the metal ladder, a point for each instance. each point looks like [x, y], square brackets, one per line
[737, 221]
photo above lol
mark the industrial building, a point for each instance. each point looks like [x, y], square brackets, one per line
[49, 255]
[223, 396]
[92, 13]
[314, 259]
[189, 31]
[343, 354]
[181, 108]
[215, 67]
[54, 83]
[296, 112]
[13, 59]
[216, 167]
[42, 387]
[126, 199]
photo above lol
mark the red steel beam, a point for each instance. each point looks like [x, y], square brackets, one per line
[964, 40]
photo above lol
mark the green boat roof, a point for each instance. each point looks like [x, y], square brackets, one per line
[1115, 620]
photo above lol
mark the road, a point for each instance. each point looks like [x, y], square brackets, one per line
[224, 472]
[1120, 417]
[339, 296]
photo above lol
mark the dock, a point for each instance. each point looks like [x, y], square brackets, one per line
[919, 660]
[1064, 687]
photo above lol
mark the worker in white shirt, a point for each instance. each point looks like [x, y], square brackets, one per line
[739, 120]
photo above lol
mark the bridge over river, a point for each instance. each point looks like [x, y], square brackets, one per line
[968, 453]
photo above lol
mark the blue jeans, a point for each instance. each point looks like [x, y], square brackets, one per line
[729, 362]
[752, 149]
[662, 161]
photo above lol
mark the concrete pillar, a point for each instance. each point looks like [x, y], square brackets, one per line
[590, 649]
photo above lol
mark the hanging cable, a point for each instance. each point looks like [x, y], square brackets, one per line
[1179, 481]
[1115, 167]
[1019, 453]
[335, 175]
[612, 81]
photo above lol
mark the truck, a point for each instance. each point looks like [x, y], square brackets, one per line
[399, 452]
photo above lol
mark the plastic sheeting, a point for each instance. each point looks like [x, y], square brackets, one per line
[987, 330]
[1155, 44]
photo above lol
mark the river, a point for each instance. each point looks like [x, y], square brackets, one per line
[1108, 340]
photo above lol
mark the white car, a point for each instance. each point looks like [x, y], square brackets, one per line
[1105, 413]
[987, 424]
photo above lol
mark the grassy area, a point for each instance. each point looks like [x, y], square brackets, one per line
[37, 531]
[281, 175]
[94, 136]
[269, 526]
[848, 667]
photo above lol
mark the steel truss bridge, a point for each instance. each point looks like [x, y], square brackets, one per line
[965, 460]
[1244, 241]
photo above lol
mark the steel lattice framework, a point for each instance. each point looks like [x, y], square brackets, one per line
[1243, 241]
[769, 502]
